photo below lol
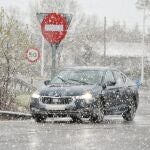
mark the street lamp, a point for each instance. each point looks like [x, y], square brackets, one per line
[143, 48]
[143, 4]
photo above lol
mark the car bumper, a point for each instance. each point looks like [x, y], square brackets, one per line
[51, 110]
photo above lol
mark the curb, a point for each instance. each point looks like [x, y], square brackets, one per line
[14, 115]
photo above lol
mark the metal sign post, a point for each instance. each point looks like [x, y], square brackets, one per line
[54, 51]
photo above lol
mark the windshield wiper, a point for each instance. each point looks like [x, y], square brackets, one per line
[78, 81]
[63, 80]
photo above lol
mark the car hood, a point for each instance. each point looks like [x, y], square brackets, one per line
[66, 90]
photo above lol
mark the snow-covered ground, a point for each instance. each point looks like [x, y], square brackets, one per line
[58, 134]
[122, 49]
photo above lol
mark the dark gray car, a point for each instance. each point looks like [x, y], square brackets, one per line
[86, 92]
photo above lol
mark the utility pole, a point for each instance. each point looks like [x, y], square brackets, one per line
[105, 24]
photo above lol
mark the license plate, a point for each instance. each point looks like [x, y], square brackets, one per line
[55, 107]
[55, 100]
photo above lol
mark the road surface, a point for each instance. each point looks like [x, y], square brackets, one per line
[59, 134]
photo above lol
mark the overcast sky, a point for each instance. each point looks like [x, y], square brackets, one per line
[123, 10]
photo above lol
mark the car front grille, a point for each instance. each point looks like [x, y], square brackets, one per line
[55, 100]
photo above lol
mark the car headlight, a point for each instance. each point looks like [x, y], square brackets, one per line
[35, 95]
[87, 97]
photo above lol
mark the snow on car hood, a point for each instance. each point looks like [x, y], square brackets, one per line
[66, 90]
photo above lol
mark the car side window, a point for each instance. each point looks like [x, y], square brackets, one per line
[119, 77]
[109, 77]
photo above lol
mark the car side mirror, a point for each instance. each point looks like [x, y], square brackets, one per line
[111, 83]
[47, 82]
[138, 83]
[103, 86]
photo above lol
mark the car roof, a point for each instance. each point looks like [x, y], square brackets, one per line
[89, 68]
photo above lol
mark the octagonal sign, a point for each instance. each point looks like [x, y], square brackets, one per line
[54, 27]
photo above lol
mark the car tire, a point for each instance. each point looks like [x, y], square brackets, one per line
[130, 114]
[76, 119]
[97, 115]
[40, 118]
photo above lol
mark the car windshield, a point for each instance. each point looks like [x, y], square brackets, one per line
[78, 77]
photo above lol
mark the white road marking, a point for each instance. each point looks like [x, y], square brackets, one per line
[51, 27]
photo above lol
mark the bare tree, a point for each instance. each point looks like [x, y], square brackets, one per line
[140, 4]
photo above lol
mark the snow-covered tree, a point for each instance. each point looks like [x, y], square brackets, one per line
[14, 40]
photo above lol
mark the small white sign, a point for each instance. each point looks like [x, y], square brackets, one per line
[32, 55]
[51, 27]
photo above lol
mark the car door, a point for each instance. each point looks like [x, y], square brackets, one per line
[110, 93]
[120, 85]
[129, 89]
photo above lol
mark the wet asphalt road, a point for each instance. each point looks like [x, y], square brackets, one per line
[59, 134]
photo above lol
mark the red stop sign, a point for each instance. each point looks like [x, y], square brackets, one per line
[54, 27]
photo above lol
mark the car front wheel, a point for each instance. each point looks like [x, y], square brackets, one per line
[39, 118]
[76, 119]
[97, 115]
